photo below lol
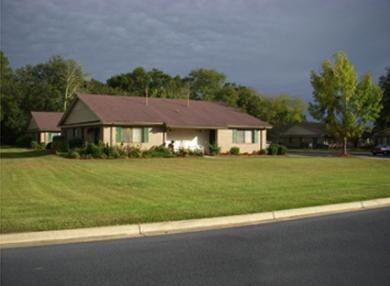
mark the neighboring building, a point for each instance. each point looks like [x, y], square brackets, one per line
[43, 126]
[148, 122]
[382, 137]
[306, 134]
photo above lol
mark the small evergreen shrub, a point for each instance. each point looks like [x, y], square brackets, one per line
[59, 144]
[262, 152]
[214, 149]
[161, 151]
[234, 151]
[94, 150]
[282, 150]
[75, 143]
[37, 146]
[277, 149]
[273, 149]
[49, 146]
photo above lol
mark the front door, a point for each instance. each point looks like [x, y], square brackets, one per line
[212, 137]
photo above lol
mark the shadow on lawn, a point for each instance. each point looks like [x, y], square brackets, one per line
[22, 154]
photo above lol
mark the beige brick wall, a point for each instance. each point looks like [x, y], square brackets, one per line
[225, 141]
[155, 137]
[263, 139]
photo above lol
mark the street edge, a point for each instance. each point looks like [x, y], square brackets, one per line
[25, 239]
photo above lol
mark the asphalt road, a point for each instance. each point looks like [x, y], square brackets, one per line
[343, 249]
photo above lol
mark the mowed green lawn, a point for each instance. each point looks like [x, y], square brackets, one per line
[42, 192]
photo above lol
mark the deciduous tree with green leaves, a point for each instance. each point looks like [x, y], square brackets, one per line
[345, 104]
[383, 120]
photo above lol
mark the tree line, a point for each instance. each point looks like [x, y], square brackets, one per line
[51, 86]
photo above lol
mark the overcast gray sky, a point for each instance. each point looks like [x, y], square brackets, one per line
[271, 45]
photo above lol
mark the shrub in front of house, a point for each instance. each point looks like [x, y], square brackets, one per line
[24, 141]
[134, 152]
[234, 151]
[73, 154]
[262, 152]
[282, 150]
[37, 146]
[183, 152]
[196, 152]
[272, 149]
[214, 149]
[277, 149]
[94, 150]
[157, 151]
[76, 143]
[59, 144]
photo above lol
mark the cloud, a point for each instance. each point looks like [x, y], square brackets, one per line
[270, 45]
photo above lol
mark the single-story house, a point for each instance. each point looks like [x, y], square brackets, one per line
[382, 137]
[43, 126]
[306, 134]
[147, 122]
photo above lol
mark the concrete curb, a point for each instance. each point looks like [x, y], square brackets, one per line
[159, 228]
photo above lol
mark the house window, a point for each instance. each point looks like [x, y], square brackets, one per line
[77, 133]
[126, 135]
[132, 135]
[244, 136]
[240, 136]
[248, 136]
[137, 135]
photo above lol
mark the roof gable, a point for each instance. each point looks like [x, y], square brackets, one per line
[79, 113]
[45, 121]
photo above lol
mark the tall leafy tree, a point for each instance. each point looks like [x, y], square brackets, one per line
[73, 77]
[383, 121]
[343, 103]
[11, 116]
[205, 83]
[97, 87]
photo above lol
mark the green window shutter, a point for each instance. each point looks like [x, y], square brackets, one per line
[119, 135]
[234, 136]
[255, 138]
[145, 135]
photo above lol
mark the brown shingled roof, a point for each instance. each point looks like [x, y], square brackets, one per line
[314, 127]
[47, 121]
[171, 112]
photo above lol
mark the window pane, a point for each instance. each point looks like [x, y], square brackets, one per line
[137, 135]
[240, 136]
[126, 135]
[248, 136]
